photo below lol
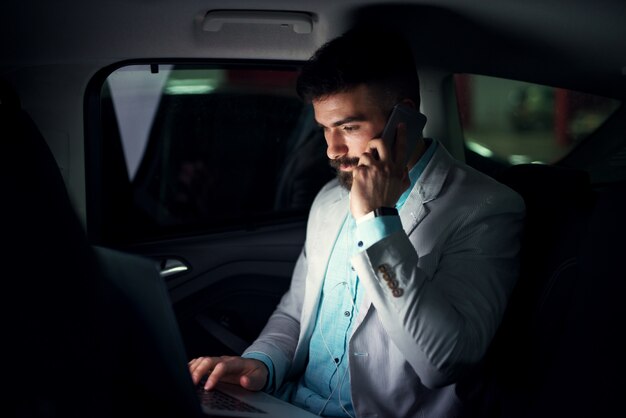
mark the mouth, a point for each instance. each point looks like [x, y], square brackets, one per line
[345, 164]
[347, 167]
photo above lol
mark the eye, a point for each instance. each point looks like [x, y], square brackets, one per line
[350, 128]
[321, 129]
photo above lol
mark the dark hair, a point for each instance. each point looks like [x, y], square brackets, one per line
[381, 59]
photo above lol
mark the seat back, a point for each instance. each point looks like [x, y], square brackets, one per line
[586, 376]
[74, 343]
[559, 204]
[46, 313]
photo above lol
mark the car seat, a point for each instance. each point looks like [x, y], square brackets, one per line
[559, 204]
[75, 343]
[558, 351]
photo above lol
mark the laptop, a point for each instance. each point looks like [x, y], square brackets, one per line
[229, 400]
[147, 291]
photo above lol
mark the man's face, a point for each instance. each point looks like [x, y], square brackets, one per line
[349, 120]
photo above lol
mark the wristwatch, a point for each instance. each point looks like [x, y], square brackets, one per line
[385, 211]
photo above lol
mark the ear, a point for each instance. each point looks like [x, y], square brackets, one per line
[409, 102]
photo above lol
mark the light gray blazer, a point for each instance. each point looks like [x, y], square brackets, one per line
[452, 267]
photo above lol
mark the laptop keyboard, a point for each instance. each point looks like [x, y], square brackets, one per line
[218, 400]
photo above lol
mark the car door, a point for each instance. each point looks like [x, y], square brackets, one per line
[209, 169]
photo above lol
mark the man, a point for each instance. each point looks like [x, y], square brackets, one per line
[406, 269]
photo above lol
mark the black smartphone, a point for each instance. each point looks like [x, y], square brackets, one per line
[414, 121]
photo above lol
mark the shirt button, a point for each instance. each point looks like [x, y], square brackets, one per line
[347, 313]
[360, 243]
[336, 360]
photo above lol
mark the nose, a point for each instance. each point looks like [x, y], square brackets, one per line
[337, 147]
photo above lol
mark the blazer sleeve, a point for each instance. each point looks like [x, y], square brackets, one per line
[444, 320]
[279, 338]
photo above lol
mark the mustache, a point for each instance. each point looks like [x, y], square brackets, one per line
[338, 162]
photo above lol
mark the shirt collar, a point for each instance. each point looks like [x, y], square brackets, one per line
[418, 169]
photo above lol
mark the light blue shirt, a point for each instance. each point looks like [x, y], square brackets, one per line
[324, 388]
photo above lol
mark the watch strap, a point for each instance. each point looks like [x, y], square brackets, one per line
[385, 211]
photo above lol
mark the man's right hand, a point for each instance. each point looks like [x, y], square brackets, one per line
[250, 374]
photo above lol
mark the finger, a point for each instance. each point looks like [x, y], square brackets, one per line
[255, 378]
[200, 367]
[227, 371]
[253, 383]
[367, 158]
[197, 369]
[378, 148]
[359, 174]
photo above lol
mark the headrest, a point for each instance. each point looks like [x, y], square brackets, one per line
[36, 210]
[548, 183]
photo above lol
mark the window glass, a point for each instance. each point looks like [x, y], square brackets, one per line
[189, 149]
[514, 122]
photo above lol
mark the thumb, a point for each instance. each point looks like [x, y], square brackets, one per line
[255, 380]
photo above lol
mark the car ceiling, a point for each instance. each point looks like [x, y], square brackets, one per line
[51, 50]
[546, 41]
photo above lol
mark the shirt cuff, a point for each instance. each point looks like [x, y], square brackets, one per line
[372, 229]
[265, 359]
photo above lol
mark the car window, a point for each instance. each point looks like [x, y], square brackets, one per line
[197, 148]
[512, 122]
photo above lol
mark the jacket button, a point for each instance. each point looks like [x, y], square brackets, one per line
[397, 292]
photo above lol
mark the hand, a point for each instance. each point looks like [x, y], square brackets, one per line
[250, 374]
[381, 175]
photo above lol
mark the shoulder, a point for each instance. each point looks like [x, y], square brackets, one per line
[327, 202]
[494, 190]
[330, 192]
[466, 184]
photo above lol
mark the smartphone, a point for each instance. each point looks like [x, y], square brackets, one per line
[414, 121]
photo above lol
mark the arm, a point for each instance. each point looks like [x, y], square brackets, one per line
[278, 339]
[449, 300]
[443, 318]
[264, 364]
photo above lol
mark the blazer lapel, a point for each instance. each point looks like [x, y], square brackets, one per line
[328, 230]
[322, 243]
[426, 189]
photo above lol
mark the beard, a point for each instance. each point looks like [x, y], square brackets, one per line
[344, 177]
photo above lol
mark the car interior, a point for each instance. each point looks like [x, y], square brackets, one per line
[150, 143]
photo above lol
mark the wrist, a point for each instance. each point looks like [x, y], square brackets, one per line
[385, 211]
[378, 212]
